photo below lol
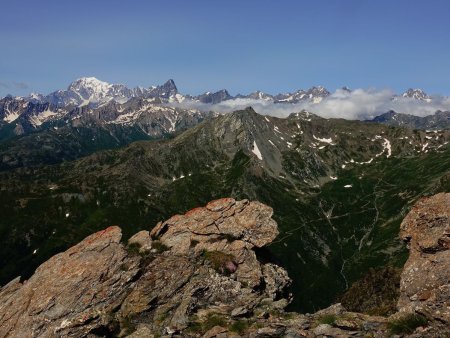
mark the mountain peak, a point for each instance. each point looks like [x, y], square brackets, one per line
[170, 81]
[90, 89]
[170, 84]
[166, 90]
[246, 111]
[89, 82]
[346, 89]
[214, 98]
[417, 94]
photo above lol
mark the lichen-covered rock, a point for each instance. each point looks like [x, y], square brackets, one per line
[224, 225]
[71, 293]
[425, 281]
[101, 285]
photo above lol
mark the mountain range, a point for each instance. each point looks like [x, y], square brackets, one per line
[91, 93]
[94, 115]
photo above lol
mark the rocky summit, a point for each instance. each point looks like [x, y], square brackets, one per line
[200, 275]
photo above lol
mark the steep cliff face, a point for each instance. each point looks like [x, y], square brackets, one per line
[198, 275]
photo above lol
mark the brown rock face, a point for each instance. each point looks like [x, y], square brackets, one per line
[197, 263]
[226, 226]
[425, 281]
[68, 294]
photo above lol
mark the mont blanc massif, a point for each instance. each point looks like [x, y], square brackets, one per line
[144, 212]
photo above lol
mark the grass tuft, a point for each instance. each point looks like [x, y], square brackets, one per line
[407, 324]
[239, 326]
[159, 246]
[220, 261]
[327, 319]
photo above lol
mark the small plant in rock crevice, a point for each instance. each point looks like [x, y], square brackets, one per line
[407, 323]
[221, 262]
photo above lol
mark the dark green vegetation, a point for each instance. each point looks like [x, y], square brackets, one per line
[159, 247]
[375, 294]
[220, 261]
[407, 324]
[211, 320]
[239, 326]
[330, 236]
[216, 319]
[327, 319]
[66, 143]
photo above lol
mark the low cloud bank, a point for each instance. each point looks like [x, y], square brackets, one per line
[359, 104]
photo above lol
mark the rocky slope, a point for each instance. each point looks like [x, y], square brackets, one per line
[42, 133]
[438, 121]
[198, 275]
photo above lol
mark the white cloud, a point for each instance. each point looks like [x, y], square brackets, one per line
[358, 104]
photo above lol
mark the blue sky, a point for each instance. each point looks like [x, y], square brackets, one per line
[274, 46]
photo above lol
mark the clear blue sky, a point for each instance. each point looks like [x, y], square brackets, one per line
[274, 46]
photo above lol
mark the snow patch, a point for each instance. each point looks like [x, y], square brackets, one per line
[42, 117]
[386, 147]
[256, 151]
[324, 140]
[11, 116]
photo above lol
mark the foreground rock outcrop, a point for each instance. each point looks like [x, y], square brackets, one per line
[198, 275]
[425, 281]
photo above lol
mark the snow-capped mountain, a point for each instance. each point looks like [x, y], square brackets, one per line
[166, 91]
[91, 91]
[212, 98]
[417, 94]
[147, 116]
[313, 94]
[27, 113]
[257, 95]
